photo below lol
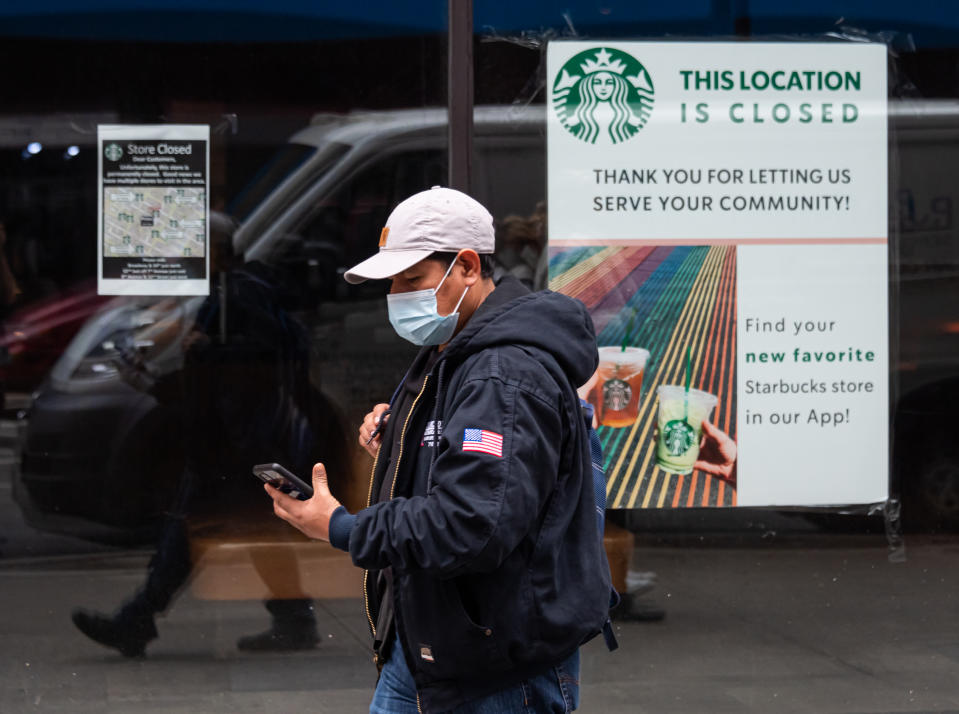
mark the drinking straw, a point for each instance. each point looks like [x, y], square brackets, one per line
[689, 375]
[627, 337]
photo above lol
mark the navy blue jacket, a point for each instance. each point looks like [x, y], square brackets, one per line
[499, 572]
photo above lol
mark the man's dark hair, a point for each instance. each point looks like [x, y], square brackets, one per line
[486, 261]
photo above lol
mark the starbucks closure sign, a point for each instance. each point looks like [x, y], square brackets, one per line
[153, 208]
[721, 209]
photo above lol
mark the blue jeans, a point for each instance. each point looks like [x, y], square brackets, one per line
[556, 692]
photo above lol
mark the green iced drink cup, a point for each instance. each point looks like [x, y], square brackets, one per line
[681, 426]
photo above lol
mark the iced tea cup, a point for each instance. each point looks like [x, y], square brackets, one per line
[619, 384]
[681, 427]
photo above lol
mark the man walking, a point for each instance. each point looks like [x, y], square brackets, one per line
[485, 569]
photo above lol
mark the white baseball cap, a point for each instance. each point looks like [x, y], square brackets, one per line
[440, 219]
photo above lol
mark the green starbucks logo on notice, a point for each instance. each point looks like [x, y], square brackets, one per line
[113, 152]
[603, 92]
[678, 437]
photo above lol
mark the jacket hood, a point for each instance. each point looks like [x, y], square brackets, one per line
[547, 321]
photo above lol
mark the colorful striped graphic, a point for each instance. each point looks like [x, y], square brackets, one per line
[677, 297]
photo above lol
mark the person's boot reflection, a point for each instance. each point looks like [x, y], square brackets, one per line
[632, 586]
[132, 626]
[293, 621]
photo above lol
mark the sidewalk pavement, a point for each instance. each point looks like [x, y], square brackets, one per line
[825, 625]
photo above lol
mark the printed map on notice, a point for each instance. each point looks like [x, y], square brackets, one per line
[154, 222]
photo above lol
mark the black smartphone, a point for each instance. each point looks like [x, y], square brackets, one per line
[280, 478]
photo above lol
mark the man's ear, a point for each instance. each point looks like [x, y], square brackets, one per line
[469, 261]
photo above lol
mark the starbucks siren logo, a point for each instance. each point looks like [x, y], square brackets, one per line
[113, 152]
[603, 91]
[678, 437]
[616, 394]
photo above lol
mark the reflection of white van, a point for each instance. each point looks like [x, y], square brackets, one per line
[354, 168]
[338, 178]
[317, 209]
[333, 186]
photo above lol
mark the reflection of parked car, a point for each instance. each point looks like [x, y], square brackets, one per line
[924, 195]
[89, 452]
[36, 335]
[927, 456]
[315, 210]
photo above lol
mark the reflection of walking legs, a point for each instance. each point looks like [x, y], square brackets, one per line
[632, 585]
[293, 625]
[131, 627]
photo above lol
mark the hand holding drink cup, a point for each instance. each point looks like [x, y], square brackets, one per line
[681, 416]
[588, 393]
[717, 453]
[682, 412]
[618, 381]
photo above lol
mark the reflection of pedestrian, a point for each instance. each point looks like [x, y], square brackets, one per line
[9, 289]
[717, 457]
[521, 247]
[9, 292]
[29, 260]
[247, 399]
[633, 586]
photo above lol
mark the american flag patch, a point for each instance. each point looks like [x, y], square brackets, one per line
[489, 442]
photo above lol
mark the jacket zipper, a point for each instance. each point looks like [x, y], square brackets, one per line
[366, 573]
[369, 499]
[399, 457]
[396, 472]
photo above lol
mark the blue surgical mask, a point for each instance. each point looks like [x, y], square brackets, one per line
[415, 317]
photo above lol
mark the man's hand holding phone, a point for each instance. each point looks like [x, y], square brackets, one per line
[283, 480]
[311, 517]
[371, 429]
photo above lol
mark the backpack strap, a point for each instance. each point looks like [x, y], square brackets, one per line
[599, 493]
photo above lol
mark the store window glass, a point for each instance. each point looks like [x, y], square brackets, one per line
[132, 523]
[748, 608]
[140, 565]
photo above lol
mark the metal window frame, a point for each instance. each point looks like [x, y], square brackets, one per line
[460, 94]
